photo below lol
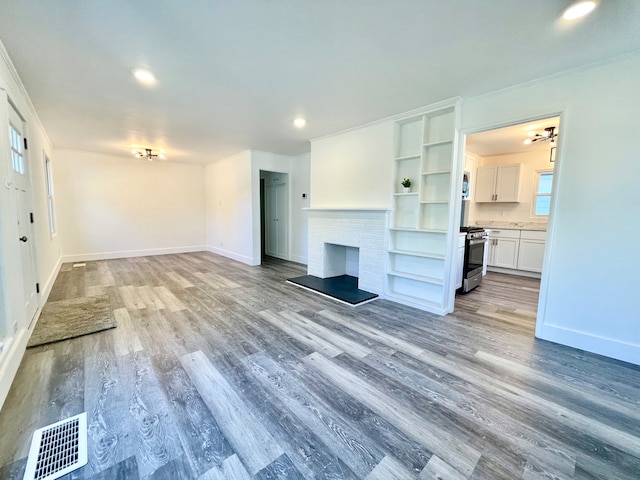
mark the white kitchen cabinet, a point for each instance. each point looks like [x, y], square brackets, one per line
[531, 251]
[498, 183]
[460, 260]
[503, 248]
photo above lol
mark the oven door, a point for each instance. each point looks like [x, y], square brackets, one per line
[474, 255]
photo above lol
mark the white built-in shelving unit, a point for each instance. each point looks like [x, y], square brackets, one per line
[421, 230]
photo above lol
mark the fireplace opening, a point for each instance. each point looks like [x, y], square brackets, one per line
[340, 276]
[341, 260]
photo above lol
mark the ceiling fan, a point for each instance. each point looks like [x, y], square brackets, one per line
[548, 133]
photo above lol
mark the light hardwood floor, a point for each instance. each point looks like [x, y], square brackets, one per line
[218, 370]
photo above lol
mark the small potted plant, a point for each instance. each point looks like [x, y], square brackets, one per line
[406, 185]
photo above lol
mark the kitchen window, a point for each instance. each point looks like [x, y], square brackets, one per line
[48, 178]
[542, 193]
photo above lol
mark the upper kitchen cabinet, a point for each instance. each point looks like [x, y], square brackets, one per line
[498, 183]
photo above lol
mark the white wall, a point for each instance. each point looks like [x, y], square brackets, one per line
[118, 206]
[233, 204]
[301, 174]
[591, 263]
[47, 248]
[531, 162]
[229, 219]
[353, 169]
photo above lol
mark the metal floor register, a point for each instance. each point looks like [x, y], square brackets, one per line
[58, 449]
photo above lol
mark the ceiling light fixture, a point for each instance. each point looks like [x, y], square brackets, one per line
[579, 10]
[299, 122]
[144, 76]
[148, 154]
[549, 133]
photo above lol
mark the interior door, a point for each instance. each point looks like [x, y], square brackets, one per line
[277, 215]
[21, 200]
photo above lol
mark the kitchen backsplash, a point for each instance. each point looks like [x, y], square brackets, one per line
[502, 213]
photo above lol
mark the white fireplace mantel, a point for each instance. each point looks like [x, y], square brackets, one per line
[362, 228]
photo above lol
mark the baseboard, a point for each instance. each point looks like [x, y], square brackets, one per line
[299, 259]
[87, 257]
[609, 347]
[48, 285]
[10, 359]
[233, 256]
[510, 271]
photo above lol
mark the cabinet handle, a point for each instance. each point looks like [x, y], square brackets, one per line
[496, 197]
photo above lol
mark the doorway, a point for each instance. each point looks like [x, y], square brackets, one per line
[274, 214]
[24, 269]
[510, 187]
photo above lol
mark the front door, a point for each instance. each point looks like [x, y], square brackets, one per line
[21, 200]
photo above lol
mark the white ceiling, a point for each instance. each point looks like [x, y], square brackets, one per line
[511, 139]
[232, 74]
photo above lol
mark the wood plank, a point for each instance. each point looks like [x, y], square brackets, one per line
[454, 451]
[308, 338]
[202, 440]
[253, 444]
[389, 469]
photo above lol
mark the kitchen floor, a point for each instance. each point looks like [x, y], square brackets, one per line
[511, 299]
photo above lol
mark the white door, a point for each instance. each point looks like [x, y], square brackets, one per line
[21, 202]
[276, 223]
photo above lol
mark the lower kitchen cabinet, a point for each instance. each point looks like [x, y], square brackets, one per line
[531, 251]
[503, 248]
[517, 250]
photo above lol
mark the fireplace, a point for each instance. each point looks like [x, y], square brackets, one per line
[341, 260]
[351, 242]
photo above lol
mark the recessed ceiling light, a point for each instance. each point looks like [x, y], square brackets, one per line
[144, 76]
[299, 122]
[578, 10]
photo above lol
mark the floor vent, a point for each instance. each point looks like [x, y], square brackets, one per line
[58, 449]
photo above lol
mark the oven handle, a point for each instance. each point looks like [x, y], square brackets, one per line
[476, 242]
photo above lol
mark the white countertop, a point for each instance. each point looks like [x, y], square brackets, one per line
[542, 227]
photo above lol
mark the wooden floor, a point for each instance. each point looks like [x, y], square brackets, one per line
[218, 370]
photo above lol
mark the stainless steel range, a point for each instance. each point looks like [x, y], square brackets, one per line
[473, 258]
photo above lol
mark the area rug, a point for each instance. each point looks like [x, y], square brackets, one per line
[66, 319]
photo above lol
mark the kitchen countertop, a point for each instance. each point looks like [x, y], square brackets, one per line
[542, 227]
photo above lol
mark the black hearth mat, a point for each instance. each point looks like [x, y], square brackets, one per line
[343, 288]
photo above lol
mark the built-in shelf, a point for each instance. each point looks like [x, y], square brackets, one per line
[435, 144]
[419, 233]
[419, 278]
[410, 253]
[412, 301]
[407, 157]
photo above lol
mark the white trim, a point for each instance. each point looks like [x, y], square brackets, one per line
[548, 249]
[85, 257]
[536, 193]
[609, 347]
[398, 116]
[233, 256]
[4, 55]
[48, 285]
[10, 359]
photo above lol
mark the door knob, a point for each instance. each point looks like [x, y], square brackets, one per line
[23, 239]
